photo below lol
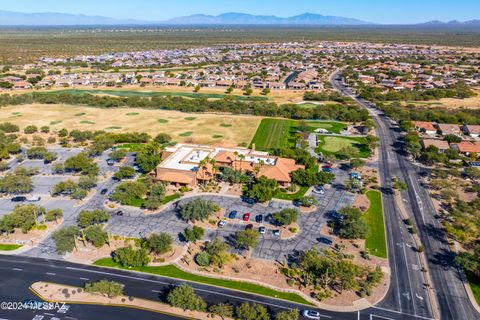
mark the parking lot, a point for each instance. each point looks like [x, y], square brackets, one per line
[135, 223]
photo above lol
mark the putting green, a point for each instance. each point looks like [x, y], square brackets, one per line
[334, 144]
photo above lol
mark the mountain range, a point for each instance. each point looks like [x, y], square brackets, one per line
[10, 18]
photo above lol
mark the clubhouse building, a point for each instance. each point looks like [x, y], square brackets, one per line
[191, 164]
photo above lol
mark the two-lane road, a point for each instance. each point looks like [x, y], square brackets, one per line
[407, 279]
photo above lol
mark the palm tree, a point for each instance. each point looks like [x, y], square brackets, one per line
[235, 161]
[242, 157]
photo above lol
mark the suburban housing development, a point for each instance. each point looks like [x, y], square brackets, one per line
[268, 168]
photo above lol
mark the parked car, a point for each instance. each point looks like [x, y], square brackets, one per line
[104, 191]
[328, 170]
[276, 232]
[249, 226]
[249, 200]
[311, 314]
[258, 218]
[34, 199]
[19, 199]
[137, 168]
[246, 216]
[232, 214]
[119, 213]
[262, 230]
[110, 162]
[222, 223]
[319, 189]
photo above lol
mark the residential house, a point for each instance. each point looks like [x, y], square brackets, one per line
[471, 130]
[425, 127]
[441, 145]
[467, 148]
[449, 129]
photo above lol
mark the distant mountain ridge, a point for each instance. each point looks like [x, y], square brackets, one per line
[244, 18]
[10, 18]
[474, 22]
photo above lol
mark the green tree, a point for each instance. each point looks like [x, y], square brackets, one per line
[149, 156]
[110, 289]
[162, 138]
[251, 311]
[155, 197]
[452, 138]
[128, 191]
[285, 216]
[291, 314]
[247, 239]
[16, 182]
[65, 239]
[308, 201]
[125, 172]
[117, 155]
[30, 129]
[186, 298]
[53, 215]
[160, 243]
[128, 257]
[352, 226]
[218, 252]
[263, 189]
[81, 163]
[194, 234]
[202, 259]
[87, 218]
[223, 310]
[356, 163]
[198, 209]
[96, 235]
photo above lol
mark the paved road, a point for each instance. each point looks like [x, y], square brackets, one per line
[407, 280]
[18, 273]
[134, 222]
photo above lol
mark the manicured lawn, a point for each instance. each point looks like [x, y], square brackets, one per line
[474, 282]
[132, 147]
[273, 133]
[150, 94]
[138, 202]
[277, 133]
[9, 247]
[292, 196]
[332, 126]
[332, 144]
[375, 242]
[174, 272]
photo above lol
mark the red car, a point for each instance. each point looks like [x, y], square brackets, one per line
[246, 216]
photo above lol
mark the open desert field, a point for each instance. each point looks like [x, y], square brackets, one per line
[471, 103]
[277, 96]
[197, 128]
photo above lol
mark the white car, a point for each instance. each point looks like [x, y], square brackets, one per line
[319, 190]
[222, 223]
[34, 199]
[310, 314]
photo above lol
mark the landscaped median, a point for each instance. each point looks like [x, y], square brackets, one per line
[375, 242]
[172, 271]
[9, 247]
[59, 293]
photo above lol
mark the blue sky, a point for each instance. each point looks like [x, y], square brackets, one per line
[379, 11]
